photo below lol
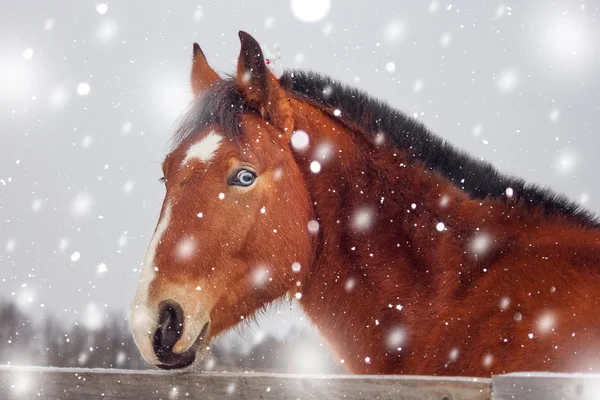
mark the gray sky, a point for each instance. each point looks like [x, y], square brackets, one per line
[516, 84]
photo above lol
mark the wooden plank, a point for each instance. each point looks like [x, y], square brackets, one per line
[58, 383]
[546, 386]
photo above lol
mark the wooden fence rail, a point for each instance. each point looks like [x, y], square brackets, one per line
[63, 383]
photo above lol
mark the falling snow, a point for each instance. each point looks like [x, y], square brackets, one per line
[507, 80]
[81, 205]
[395, 338]
[315, 167]
[75, 256]
[27, 54]
[10, 245]
[300, 140]
[128, 187]
[185, 248]
[101, 8]
[313, 227]
[310, 10]
[260, 276]
[102, 268]
[454, 353]
[350, 284]
[487, 360]
[445, 40]
[393, 32]
[546, 322]
[480, 244]
[363, 219]
[83, 89]
[296, 267]
[85, 121]
[93, 317]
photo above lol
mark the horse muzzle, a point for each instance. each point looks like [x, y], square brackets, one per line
[173, 339]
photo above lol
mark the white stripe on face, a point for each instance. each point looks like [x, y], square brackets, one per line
[144, 317]
[204, 149]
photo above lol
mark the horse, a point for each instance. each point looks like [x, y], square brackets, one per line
[408, 255]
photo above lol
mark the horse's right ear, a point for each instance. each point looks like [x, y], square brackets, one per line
[203, 76]
[260, 87]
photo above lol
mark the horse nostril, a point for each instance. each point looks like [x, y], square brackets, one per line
[170, 328]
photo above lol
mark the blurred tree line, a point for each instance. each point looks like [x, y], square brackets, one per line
[51, 343]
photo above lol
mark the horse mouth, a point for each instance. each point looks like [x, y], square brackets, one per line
[186, 359]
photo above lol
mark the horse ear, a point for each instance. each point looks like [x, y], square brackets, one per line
[203, 76]
[260, 87]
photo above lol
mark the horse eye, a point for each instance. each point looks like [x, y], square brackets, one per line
[243, 177]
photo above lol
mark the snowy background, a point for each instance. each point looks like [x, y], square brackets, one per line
[89, 91]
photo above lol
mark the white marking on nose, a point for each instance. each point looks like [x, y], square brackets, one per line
[144, 317]
[204, 149]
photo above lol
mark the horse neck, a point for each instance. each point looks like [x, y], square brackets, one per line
[380, 244]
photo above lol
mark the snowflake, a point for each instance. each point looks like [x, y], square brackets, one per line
[185, 248]
[393, 31]
[27, 54]
[395, 338]
[363, 219]
[310, 10]
[507, 80]
[349, 284]
[300, 140]
[296, 267]
[315, 167]
[83, 89]
[82, 205]
[93, 317]
[102, 8]
[480, 244]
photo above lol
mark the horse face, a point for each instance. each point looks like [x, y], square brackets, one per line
[233, 222]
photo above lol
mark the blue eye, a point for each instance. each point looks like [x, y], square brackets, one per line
[243, 177]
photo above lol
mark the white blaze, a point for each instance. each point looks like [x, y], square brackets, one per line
[204, 149]
[143, 317]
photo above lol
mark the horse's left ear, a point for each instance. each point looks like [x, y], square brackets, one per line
[260, 87]
[203, 76]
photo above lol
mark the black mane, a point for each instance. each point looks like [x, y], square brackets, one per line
[223, 104]
[477, 178]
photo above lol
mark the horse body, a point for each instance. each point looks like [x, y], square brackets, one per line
[402, 265]
[470, 295]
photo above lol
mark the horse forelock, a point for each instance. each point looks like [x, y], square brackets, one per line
[221, 104]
